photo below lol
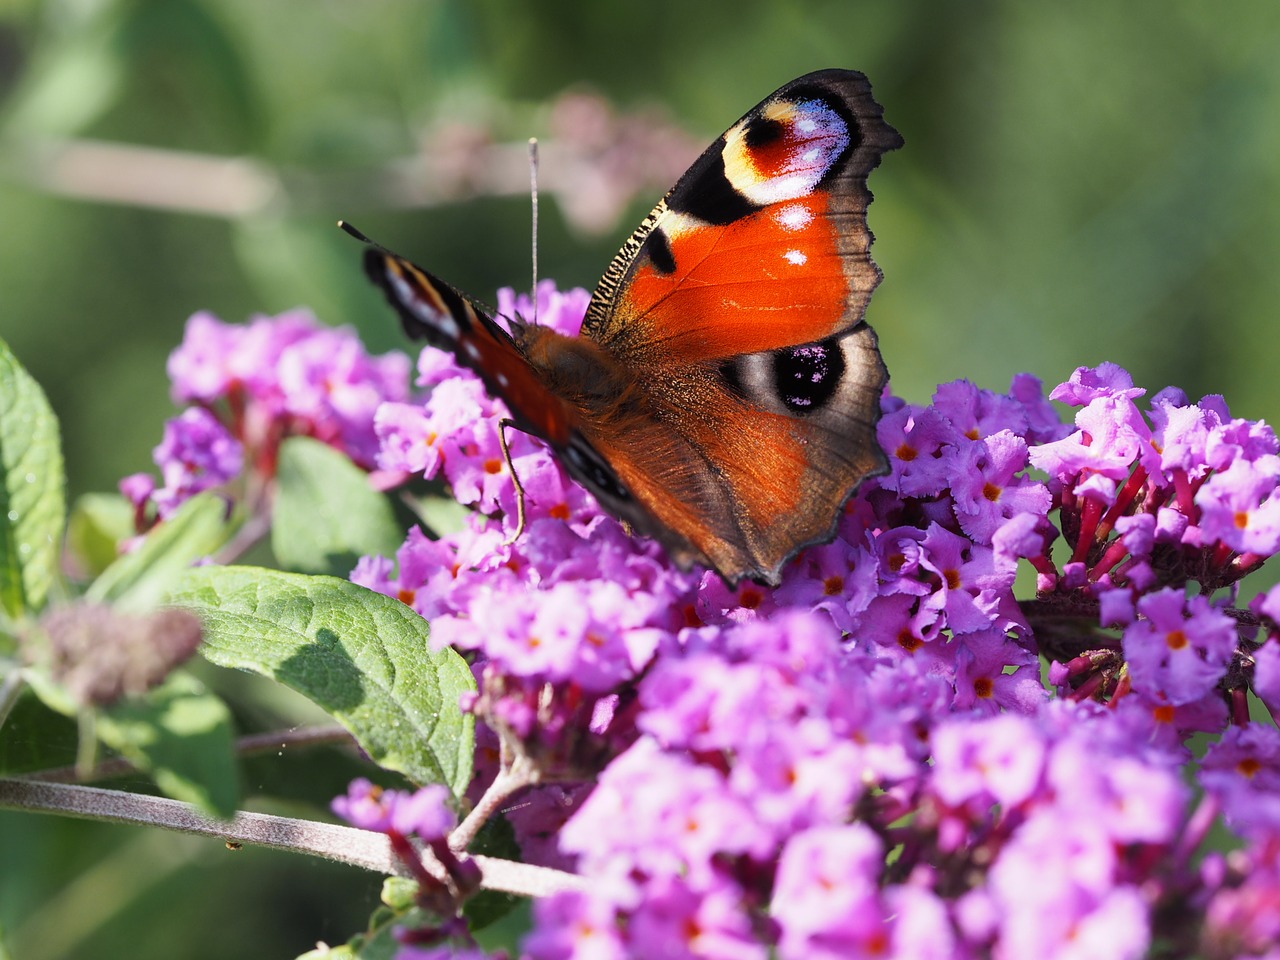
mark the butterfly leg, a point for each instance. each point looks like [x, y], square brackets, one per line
[506, 458]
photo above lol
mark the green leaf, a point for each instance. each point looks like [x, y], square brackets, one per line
[361, 656]
[139, 580]
[51, 693]
[32, 495]
[443, 515]
[326, 514]
[36, 738]
[98, 522]
[507, 932]
[181, 734]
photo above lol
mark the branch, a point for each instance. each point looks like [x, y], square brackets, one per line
[139, 176]
[510, 780]
[593, 182]
[360, 848]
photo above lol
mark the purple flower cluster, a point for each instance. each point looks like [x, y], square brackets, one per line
[864, 761]
[1243, 916]
[413, 822]
[574, 602]
[251, 386]
[776, 768]
[1150, 505]
[197, 453]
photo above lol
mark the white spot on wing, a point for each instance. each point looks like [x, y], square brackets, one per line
[471, 350]
[796, 257]
[795, 216]
[421, 309]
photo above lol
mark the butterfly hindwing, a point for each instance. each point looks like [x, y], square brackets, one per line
[562, 389]
[740, 487]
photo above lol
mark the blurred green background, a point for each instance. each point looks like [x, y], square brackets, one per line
[1081, 182]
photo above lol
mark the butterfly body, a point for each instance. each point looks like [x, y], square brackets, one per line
[723, 394]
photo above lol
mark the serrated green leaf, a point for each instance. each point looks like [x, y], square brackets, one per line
[181, 734]
[32, 490]
[326, 515]
[98, 522]
[361, 656]
[138, 580]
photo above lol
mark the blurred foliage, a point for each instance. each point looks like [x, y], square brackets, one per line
[1081, 182]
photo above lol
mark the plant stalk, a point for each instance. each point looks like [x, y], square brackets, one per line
[360, 848]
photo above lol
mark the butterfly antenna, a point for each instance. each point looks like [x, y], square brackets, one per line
[506, 456]
[533, 197]
[350, 229]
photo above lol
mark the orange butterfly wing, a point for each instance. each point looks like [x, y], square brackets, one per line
[739, 305]
[763, 243]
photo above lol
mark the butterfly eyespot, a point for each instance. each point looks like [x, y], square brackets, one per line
[808, 376]
[592, 469]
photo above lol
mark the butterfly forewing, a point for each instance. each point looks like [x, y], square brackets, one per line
[763, 243]
[432, 310]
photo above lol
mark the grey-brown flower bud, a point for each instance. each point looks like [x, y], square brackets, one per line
[100, 654]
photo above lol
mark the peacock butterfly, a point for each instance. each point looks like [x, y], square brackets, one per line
[723, 394]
